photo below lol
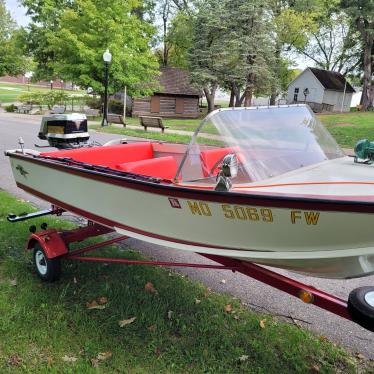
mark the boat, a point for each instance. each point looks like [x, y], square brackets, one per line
[267, 185]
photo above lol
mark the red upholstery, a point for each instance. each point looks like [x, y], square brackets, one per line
[108, 156]
[211, 157]
[161, 167]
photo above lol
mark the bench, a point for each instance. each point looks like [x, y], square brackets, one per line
[152, 122]
[25, 109]
[91, 112]
[58, 110]
[116, 118]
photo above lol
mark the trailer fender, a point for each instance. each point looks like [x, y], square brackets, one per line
[50, 241]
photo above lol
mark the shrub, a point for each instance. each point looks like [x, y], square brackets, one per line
[10, 108]
[93, 102]
[115, 106]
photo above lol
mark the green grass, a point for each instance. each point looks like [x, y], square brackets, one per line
[41, 323]
[348, 128]
[173, 138]
[9, 92]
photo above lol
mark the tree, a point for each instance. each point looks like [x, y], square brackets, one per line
[333, 44]
[82, 31]
[207, 47]
[361, 14]
[12, 60]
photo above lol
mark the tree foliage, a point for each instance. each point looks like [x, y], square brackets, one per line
[76, 34]
[361, 14]
[12, 59]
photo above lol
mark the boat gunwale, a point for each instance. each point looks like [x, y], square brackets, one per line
[172, 190]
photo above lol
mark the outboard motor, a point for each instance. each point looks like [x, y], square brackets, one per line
[65, 131]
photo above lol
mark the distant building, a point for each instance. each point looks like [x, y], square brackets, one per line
[175, 99]
[322, 90]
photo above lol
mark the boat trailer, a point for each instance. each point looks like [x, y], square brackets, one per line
[50, 246]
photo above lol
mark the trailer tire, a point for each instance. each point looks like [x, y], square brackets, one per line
[47, 269]
[361, 307]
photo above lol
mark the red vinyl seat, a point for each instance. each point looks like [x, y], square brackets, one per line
[108, 156]
[211, 157]
[161, 167]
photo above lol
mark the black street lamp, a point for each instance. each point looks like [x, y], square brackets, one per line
[107, 57]
[51, 83]
[306, 93]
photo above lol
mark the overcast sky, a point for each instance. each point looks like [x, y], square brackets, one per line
[18, 12]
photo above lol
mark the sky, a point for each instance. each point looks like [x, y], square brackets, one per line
[18, 12]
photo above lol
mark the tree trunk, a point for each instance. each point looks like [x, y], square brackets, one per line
[366, 90]
[277, 72]
[232, 97]
[209, 94]
[248, 93]
[238, 102]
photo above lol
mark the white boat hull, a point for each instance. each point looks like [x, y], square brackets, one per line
[323, 243]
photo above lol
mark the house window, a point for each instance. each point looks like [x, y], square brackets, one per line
[296, 93]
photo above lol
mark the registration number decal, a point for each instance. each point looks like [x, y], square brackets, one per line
[252, 214]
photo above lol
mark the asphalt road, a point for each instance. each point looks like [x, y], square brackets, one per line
[255, 295]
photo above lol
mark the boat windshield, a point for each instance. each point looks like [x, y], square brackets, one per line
[267, 141]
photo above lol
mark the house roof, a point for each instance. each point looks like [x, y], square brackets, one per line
[332, 80]
[175, 81]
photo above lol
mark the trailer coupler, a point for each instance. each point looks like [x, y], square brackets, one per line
[25, 216]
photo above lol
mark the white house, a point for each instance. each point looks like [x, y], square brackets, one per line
[323, 90]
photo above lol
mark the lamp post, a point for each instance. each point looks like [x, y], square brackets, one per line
[306, 93]
[51, 83]
[107, 57]
[62, 84]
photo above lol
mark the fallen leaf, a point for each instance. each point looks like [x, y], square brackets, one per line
[126, 322]
[75, 280]
[94, 305]
[170, 313]
[228, 308]
[323, 338]
[223, 281]
[262, 323]
[315, 368]
[102, 356]
[14, 360]
[157, 351]
[13, 282]
[94, 362]
[150, 288]
[152, 328]
[69, 358]
[197, 301]
[103, 300]
[360, 356]
[243, 358]
[50, 360]
[237, 317]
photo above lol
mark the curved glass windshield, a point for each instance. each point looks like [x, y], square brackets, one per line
[268, 141]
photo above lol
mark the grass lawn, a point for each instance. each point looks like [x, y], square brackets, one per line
[173, 138]
[9, 92]
[348, 128]
[173, 325]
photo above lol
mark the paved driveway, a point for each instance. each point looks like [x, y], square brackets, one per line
[254, 294]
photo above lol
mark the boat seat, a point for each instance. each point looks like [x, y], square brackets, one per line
[161, 167]
[108, 156]
[211, 157]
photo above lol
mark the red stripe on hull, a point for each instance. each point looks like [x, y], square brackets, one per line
[302, 203]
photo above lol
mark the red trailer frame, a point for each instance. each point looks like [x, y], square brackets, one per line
[50, 246]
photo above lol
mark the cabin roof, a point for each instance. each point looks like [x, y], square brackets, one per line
[175, 81]
[332, 80]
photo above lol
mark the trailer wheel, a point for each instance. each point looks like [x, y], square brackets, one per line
[361, 306]
[48, 270]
